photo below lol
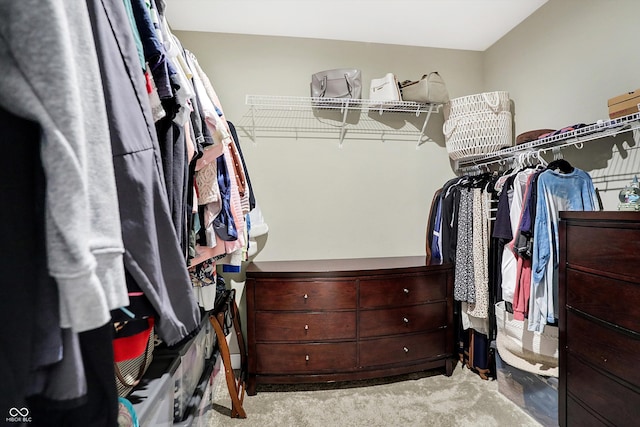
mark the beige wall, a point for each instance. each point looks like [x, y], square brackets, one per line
[561, 65]
[371, 197]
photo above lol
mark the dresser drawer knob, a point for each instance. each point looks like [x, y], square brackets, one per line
[405, 320]
[406, 350]
[405, 290]
[306, 327]
[306, 296]
[306, 357]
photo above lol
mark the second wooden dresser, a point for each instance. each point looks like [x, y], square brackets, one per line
[599, 294]
[346, 319]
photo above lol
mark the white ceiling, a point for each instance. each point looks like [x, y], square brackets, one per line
[452, 24]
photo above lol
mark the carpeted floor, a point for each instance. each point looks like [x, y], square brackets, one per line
[427, 399]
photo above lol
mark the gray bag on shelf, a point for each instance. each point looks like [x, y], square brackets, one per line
[429, 89]
[337, 83]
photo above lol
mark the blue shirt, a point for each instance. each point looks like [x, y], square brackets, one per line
[557, 192]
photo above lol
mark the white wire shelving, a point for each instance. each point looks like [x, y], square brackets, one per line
[577, 137]
[272, 115]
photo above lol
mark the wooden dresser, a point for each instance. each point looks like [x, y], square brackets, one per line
[347, 319]
[599, 295]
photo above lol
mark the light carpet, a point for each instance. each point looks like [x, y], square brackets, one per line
[425, 399]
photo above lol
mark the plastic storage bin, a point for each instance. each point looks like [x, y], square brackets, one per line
[191, 363]
[209, 338]
[152, 398]
[202, 398]
[536, 394]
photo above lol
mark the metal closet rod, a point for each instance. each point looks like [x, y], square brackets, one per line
[522, 158]
[599, 130]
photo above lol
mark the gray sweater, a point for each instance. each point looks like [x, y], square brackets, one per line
[50, 74]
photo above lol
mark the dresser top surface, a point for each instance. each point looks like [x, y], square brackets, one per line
[601, 215]
[346, 266]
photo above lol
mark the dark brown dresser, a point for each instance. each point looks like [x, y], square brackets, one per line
[347, 319]
[599, 296]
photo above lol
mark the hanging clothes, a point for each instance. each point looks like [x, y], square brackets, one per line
[153, 49]
[509, 261]
[84, 243]
[107, 102]
[434, 226]
[153, 256]
[522, 246]
[502, 232]
[448, 235]
[57, 84]
[481, 203]
[464, 283]
[556, 191]
[29, 309]
[527, 227]
[460, 221]
[251, 197]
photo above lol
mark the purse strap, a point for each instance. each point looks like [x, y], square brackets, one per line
[346, 79]
[323, 86]
[143, 365]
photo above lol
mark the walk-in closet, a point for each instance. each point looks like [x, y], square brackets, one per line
[199, 229]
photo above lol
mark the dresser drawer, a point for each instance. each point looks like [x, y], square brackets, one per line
[612, 400]
[402, 320]
[604, 249]
[403, 290]
[403, 349]
[598, 296]
[603, 347]
[579, 416]
[305, 295]
[305, 358]
[317, 326]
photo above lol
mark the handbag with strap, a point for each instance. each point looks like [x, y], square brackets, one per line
[384, 89]
[133, 347]
[337, 83]
[429, 89]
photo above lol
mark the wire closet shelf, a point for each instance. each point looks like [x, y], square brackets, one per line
[599, 130]
[276, 114]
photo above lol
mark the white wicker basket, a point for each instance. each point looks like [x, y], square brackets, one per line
[476, 134]
[479, 103]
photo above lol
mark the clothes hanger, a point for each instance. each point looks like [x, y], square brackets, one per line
[562, 165]
[541, 162]
[479, 181]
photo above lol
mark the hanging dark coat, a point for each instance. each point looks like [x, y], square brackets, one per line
[153, 257]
